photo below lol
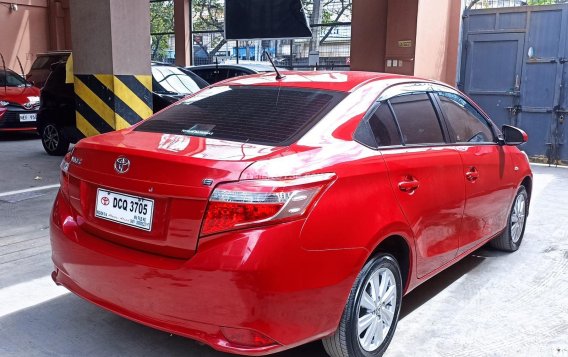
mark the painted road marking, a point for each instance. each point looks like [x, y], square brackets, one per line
[25, 295]
[31, 189]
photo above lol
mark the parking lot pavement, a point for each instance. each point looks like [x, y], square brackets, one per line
[24, 163]
[489, 304]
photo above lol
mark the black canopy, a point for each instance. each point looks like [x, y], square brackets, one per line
[265, 19]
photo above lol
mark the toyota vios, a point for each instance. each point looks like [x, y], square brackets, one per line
[19, 102]
[262, 213]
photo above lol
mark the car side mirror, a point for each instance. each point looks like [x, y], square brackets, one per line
[513, 135]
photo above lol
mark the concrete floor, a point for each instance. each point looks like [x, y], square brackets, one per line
[489, 304]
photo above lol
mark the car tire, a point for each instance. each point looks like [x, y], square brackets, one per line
[511, 238]
[350, 340]
[53, 140]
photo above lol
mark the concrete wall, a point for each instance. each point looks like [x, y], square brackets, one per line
[437, 38]
[411, 37]
[30, 30]
[24, 32]
[368, 35]
[401, 36]
[59, 25]
[111, 37]
[183, 41]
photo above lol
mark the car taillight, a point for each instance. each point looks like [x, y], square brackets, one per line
[247, 203]
[64, 177]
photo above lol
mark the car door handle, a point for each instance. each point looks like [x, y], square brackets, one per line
[409, 185]
[472, 174]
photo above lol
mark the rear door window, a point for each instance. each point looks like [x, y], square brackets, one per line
[465, 123]
[418, 121]
[260, 115]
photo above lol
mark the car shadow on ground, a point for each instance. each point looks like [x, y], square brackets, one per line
[18, 136]
[444, 279]
[69, 325]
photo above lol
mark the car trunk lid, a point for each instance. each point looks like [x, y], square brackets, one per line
[176, 173]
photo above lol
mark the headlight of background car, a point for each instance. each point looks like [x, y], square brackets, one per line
[4, 103]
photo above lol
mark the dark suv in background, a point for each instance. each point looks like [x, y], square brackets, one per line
[42, 66]
[56, 117]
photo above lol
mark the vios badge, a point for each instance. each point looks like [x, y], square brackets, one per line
[122, 165]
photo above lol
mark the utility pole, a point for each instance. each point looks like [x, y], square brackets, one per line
[313, 56]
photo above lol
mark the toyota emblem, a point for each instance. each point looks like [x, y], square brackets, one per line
[122, 165]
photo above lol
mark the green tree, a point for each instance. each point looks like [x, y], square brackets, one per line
[335, 11]
[542, 2]
[161, 26]
[208, 15]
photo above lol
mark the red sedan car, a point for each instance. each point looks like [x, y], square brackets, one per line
[264, 213]
[19, 102]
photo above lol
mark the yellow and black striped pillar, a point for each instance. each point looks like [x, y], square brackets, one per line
[110, 66]
[106, 102]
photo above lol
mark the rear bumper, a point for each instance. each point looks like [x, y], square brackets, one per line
[260, 280]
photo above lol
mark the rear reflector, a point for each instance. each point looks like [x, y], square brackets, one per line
[252, 202]
[246, 338]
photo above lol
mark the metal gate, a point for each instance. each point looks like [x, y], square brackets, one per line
[515, 65]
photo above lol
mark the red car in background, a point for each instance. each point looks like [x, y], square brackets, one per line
[19, 102]
[263, 213]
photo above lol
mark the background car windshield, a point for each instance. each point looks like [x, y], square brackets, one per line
[45, 62]
[11, 79]
[261, 115]
[172, 80]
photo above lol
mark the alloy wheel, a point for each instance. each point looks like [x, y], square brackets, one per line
[518, 216]
[377, 308]
[50, 137]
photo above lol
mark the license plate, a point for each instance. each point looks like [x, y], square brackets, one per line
[125, 209]
[28, 117]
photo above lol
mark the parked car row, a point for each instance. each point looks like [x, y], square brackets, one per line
[55, 119]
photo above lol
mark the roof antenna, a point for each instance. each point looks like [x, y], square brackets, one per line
[5, 73]
[278, 75]
[21, 68]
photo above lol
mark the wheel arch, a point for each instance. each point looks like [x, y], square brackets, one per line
[400, 248]
[528, 183]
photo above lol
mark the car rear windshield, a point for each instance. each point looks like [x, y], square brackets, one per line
[45, 62]
[273, 116]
